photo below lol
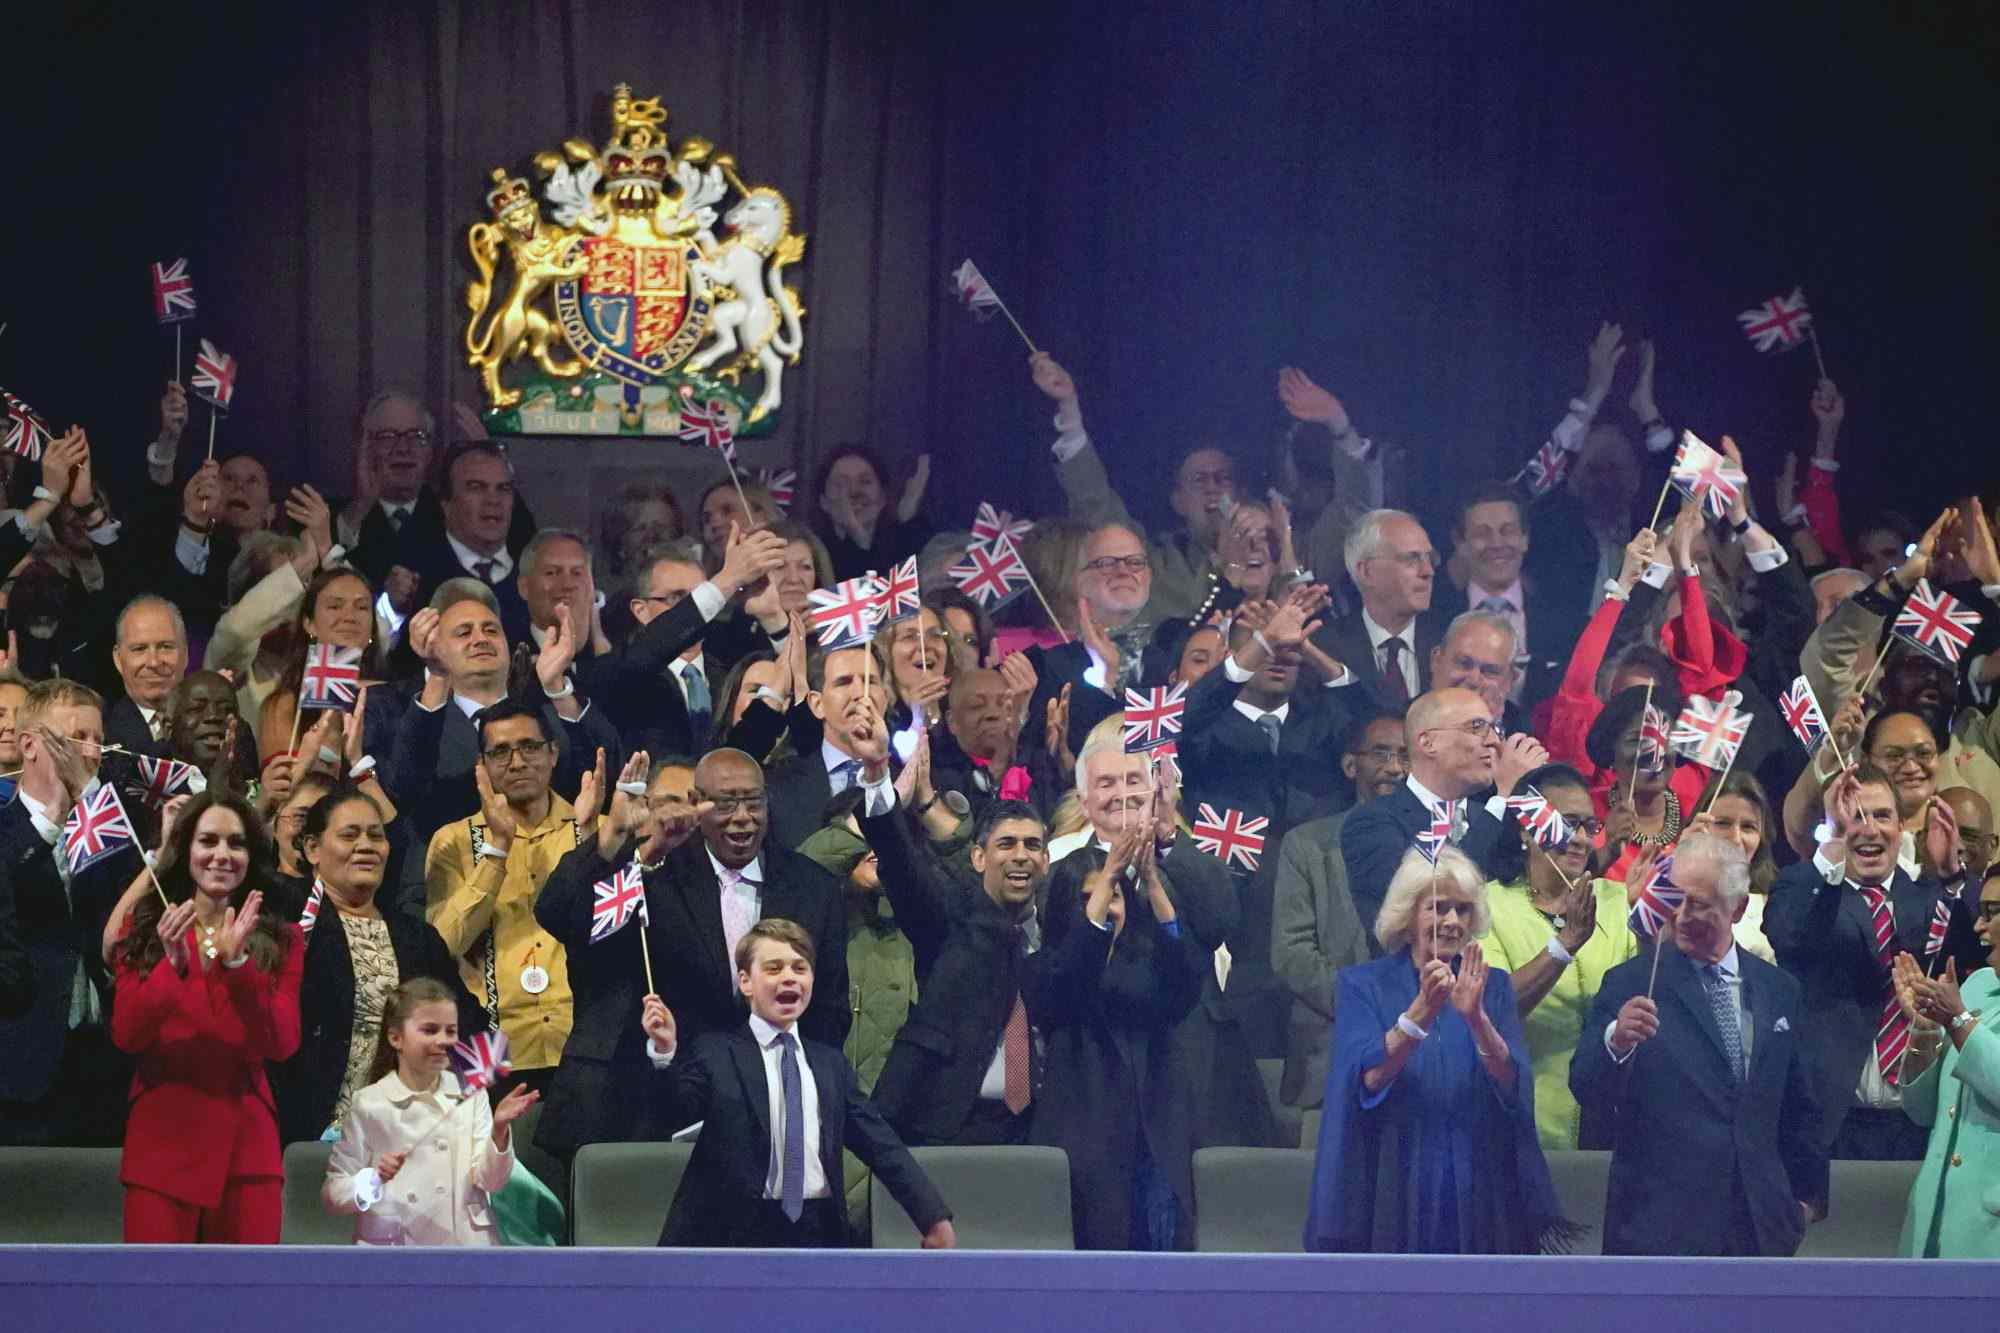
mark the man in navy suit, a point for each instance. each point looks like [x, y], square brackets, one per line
[1455, 754]
[1709, 1086]
[776, 1110]
[1386, 645]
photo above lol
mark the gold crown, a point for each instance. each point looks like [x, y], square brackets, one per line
[637, 125]
[507, 193]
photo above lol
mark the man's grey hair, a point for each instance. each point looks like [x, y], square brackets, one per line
[1490, 619]
[1843, 572]
[531, 554]
[391, 395]
[453, 591]
[679, 551]
[1105, 745]
[1411, 884]
[1365, 541]
[1705, 854]
[145, 599]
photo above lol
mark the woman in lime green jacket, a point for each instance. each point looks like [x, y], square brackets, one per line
[1955, 1205]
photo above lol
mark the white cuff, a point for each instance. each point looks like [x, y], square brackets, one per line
[238, 961]
[708, 599]
[879, 798]
[1070, 443]
[1764, 561]
[363, 766]
[1354, 444]
[1659, 439]
[191, 551]
[1496, 805]
[1554, 949]
[1408, 1027]
[568, 689]
[1611, 1050]
[1656, 574]
[1616, 591]
[1235, 674]
[487, 849]
[348, 533]
[1346, 678]
[105, 533]
[661, 1059]
[1826, 464]
[368, 1189]
[390, 616]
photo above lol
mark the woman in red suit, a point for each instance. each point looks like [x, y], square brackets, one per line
[208, 990]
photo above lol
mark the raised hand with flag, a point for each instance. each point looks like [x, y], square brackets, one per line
[1711, 731]
[163, 778]
[847, 614]
[899, 596]
[332, 677]
[27, 433]
[96, 828]
[214, 379]
[1779, 324]
[1803, 714]
[1705, 476]
[173, 291]
[618, 900]
[1936, 623]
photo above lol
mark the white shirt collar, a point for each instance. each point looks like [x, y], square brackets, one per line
[1283, 712]
[1377, 636]
[752, 873]
[680, 666]
[765, 1033]
[503, 563]
[403, 507]
[402, 1094]
[147, 713]
[1731, 966]
[833, 757]
[1430, 798]
[467, 704]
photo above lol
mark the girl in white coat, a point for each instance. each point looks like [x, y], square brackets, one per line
[415, 1164]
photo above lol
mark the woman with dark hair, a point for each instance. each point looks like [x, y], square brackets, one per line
[208, 991]
[292, 879]
[1735, 809]
[355, 955]
[756, 704]
[338, 608]
[851, 496]
[1642, 804]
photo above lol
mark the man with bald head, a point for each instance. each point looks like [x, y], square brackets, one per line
[710, 875]
[1387, 646]
[1975, 829]
[1456, 757]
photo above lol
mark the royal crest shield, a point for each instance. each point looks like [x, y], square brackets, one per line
[623, 296]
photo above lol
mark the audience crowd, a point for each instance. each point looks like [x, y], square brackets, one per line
[402, 767]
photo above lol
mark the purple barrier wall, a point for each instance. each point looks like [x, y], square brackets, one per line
[309, 1290]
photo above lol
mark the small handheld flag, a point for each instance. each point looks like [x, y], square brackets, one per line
[214, 380]
[1705, 476]
[707, 425]
[1710, 731]
[899, 597]
[310, 917]
[1652, 739]
[1778, 325]
[164, 778]
[173, 292]
[847, 613]
[1540, 820]
[96, 828]
[481, 1060]
[1658, 900]
[1153, 716]
[1546, 470]
[781, 483]
[978, 296]
[991, 575]
[1229, 836]
[1435, 838]
[990, 524]
[1936, 623]
[332, 677]
[1802, 714]
[27, 433]
[1940, 926]
[617, 899]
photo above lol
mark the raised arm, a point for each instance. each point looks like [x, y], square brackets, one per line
[1079, 470]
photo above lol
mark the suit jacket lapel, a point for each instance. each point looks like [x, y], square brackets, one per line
[749, 1063]
[826, 1084]
[1691, 989]
[701, 895]
[1759, 1012]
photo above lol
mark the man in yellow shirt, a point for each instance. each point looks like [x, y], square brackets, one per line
[482, 877]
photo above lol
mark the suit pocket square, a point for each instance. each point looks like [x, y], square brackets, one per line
[1782, 1025]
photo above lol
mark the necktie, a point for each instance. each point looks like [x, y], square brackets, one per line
[1014, 1054]
[1394, 687]
[395, 517]
[1499, 606]
[158, 725]
[843, 774]
[700, 707]
[792, 1169]
[1722, 999]
[1892, 1033]
[1272, 728]
[484, 569]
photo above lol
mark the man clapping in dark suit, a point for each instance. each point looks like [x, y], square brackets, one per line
[1716, 1116]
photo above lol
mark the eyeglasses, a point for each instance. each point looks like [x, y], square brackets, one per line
[406, 439]
[1383, 754]
[1479, 728]
[668, 599]
[1589, 826]
[503, 756]
[1105, 564]
[1219, 477]
[1924, 756]
[1987, 911]
[1451, 907]
[1410, 559]
[729, 805]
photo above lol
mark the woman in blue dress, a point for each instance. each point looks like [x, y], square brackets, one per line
[1428, 1144]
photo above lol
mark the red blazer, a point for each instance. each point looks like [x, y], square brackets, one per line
[202, 1110]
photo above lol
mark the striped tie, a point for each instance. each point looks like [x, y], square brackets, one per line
[1892, 1034]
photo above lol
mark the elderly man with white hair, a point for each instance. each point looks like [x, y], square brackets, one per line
[1479, 653]
[1718, 1123]
[1387, 645]
[1428, 1142]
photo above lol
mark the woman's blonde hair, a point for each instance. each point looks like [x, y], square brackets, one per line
[1411, 884]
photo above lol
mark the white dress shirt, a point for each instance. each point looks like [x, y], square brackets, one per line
[766, 1036]
[1377, 636]
[742, 903]
[1496, 805]
[500, 560]
[833, 757]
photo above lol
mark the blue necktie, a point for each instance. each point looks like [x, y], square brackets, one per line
[843, 775]
[1722, 999]
[700, 707]
[792, 1185]
[1271, 728]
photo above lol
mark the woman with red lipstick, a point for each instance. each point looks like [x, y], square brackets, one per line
[208, 991]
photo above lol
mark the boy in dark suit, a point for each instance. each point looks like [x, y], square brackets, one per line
[776, 1112]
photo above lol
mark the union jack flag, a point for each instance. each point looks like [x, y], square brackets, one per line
[1166, 761]
[617, 899]
[707, 426]
[214, 375]
[1705, 476]
[27, 433]
[1152, 716]
[990, 525]
[1802, 714]
[782, 484]
[846, 614]
[973, 289]
[1940, 926]
[1542, 821]
[1229, 836]
[1444, 818]
[314, 901]
[1652, 740]
[1710, 731]
[991, 575]
[1545, 471]
[481, 1060]
[899, 597]
[1936, 623]
[1658, 899]
[332, 677]
[1779, 324]
[173, 292]
[97, 826]
[168, 777]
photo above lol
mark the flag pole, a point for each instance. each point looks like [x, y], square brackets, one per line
[646, 953]
[177, 352]
[119, 801]
[1035, 587]
[1032, 349]
[1661, 503]
[1632, 792]
[1861, 691]
[1724, 777]
[1659, 937]
[1930, 974]
[213, 412]
[1813, 333]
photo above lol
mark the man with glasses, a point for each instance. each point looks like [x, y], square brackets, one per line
[1315, 931]
[1478, 654]
[484, 874]
[1385, 647]
[1456, 755]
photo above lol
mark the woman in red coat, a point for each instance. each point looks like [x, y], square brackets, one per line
[208, 990]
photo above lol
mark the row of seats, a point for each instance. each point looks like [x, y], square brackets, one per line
[1248, 1199]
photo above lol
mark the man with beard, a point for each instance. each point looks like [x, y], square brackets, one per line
[1839, 938]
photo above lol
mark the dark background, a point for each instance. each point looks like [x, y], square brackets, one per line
[1427, 207]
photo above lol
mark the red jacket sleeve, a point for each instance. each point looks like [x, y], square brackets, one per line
[1822, 504]
[268, 1002]
[1576, 704]
[143, 1003]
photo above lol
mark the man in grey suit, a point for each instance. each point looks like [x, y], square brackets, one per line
[1315, 930]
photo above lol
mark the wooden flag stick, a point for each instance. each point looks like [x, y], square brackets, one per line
[1724, 777]
[1659, 936]
[1036, 588]
[1861, 692]
[1661, 503]
[646, 954]
[213, 413]
[177, 353]
[749, 518]
[1813, 334]
[1632, 791]
[1032, 349]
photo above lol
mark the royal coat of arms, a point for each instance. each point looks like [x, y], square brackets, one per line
[623, 301]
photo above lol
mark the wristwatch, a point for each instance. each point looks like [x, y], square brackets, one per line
[1964, 1018]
